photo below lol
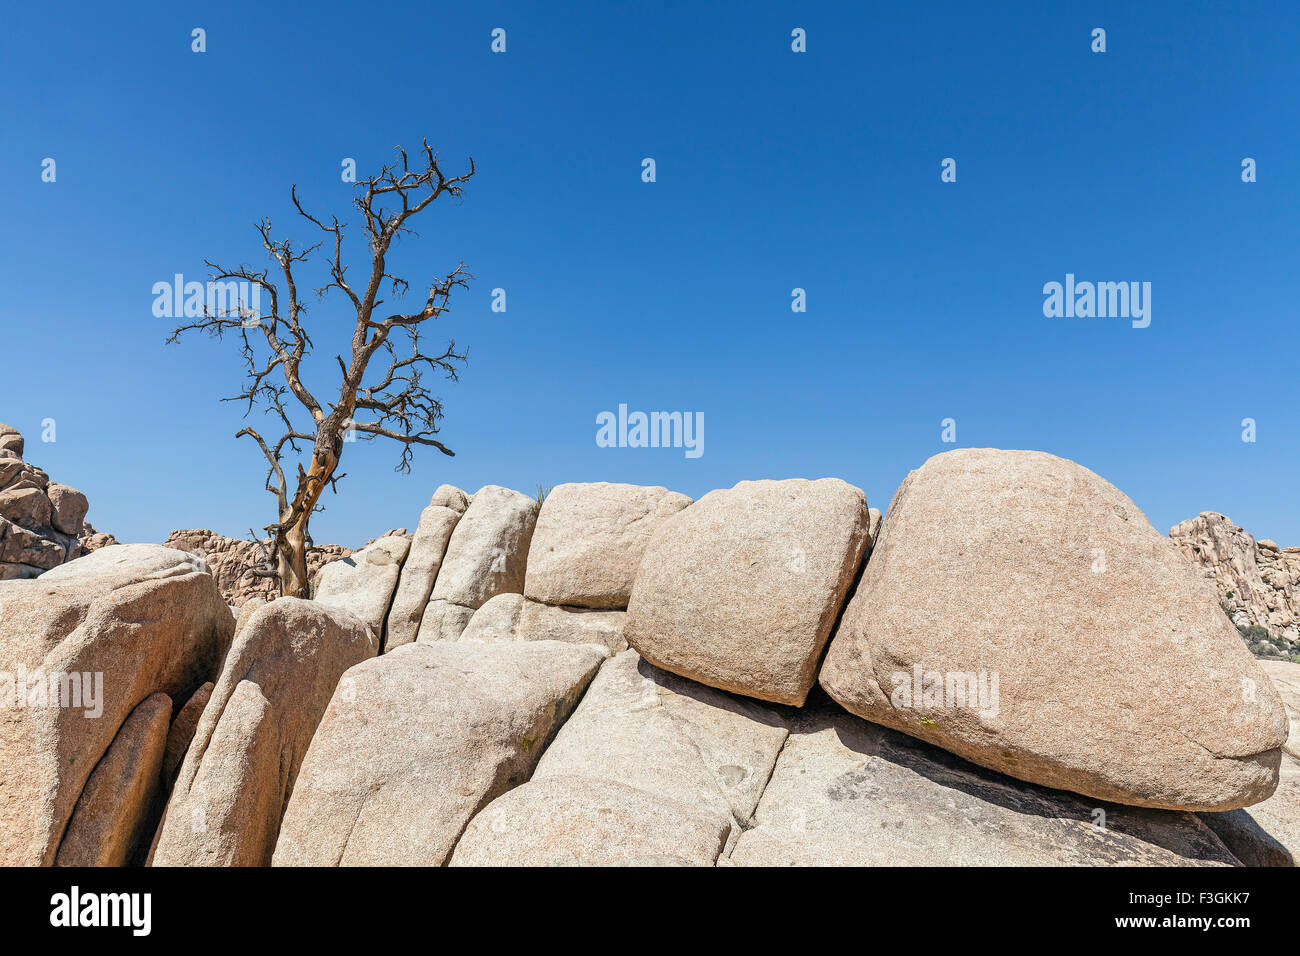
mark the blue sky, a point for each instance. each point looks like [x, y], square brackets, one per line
[775, 170]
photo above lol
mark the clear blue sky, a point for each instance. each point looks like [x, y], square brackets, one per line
[775, 170]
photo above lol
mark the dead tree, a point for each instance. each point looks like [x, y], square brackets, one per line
[393, 403]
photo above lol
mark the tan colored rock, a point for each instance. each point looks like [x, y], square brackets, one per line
[653, 764]
[650, 729]
[496, 620]
[573, 625]
[443, 621]
[590, 539]
[740, 590]
[422, 564]
[28, 507]
[849, 793]
[139, 615]
[1268, 833]
[488, 550]
[181, 733]
[1285, 678]
[363, 583]
[68, 508]
[239, 772]
[512, 617]
[11, 440]
[113, 815]
[1118, 677]
[583, 821]
[416, 741]
[247, 610]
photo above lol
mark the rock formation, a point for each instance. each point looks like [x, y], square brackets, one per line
[740, 590]
[1010, 667]
[42, 523]
[92, 640]
[1258, 582]
[240, 769]
[1021, 612]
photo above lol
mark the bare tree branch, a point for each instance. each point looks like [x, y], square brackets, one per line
[395, 403]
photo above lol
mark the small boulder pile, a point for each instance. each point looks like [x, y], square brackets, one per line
[42, 522]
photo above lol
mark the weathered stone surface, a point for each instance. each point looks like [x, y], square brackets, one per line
[139, 615]
[1285, 678]
[246, 610]
[240, 770]
[512, 617]
[740, 590]
[443, 621]
[68, 507]
[422, 564]
[415, 742]
[1118, 675]
[11, 440]
[113, 815]
[29, 507]
[1257, 582]
[1268, 833]
[849, 793]
[227, 559]
[181, 732]
[590, 539]
[488, 550]
[584, 821]
[363, 583]
[677, 766]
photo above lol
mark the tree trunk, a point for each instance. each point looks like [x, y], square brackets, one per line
[292, 552]
[292, 560]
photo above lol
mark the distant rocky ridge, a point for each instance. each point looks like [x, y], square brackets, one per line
[42, 522]
[228, 560]
[1258, 582]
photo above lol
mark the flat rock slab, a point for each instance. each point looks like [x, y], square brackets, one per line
[128, 621]
[590, 539]
[740, 590]
[585, 821]
[650, 764]
[415, 742]
[241, 767]
[849, 793]
[512, 617]
[1117, 674]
